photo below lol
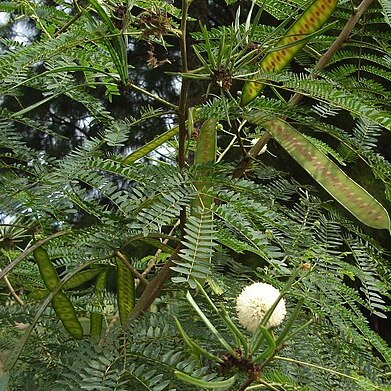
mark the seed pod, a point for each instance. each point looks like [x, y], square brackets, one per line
[96, 318]
[81, 278]
[340, 186]
[315, 16]
[46, 268]
[74, 282]
[60, 302]
[149, 147]
[125, 291]
[205, 154]
[65, 311]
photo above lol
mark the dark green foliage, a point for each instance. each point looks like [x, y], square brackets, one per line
[263, 226]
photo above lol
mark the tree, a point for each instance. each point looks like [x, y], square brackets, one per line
[121, 267]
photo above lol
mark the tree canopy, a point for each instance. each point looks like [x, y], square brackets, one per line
[195, 195]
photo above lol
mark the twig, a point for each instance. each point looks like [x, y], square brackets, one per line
[246, 383]
[262, 385]
[152, 263]
[12, 291]
[182, 109]
[341, 39]
[308, 364]
[68, 24]
[153, 96]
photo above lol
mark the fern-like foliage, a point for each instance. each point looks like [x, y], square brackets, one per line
[74, 194]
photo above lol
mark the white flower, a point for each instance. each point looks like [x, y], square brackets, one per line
[253, 303]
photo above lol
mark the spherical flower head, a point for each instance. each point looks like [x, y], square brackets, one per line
[253, 303]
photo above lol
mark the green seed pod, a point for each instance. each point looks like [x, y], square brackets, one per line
[60, 302]
[340, 186]
[46, 268]
[74, 282]
[81, 278]
[149, 147]
[125, 291]
[96, 318]
[65, 311]
[315, 16]
[205, 154]
[38, 294]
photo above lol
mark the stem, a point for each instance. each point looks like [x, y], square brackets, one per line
[341, 39]
[263, 383]
[182, 109]
[246, 384]
[153, 96]
[69, 24]
[315, 366]
[152, 263]
[154, 288]
[12, 290]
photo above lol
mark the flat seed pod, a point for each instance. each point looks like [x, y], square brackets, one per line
[149, 147]
[38, 294]
[315, 16]
[81, 278]
[74, 282]
[206, 143]
[65, 311]
[339, 185]
[96, 318]
[205, 154]
[125, 291]
[60, 302]
[46, 268]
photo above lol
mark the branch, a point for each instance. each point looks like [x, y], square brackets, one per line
[154, 288]
[149, 94]
[341, 39]
[182, 109]
[12, 290]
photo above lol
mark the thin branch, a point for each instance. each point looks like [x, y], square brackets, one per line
[153, 96]
[262, 385]
[183, 101]
[307, 364]
[246, 383]
[154, 288]
[182, 109]
[341, 39]
[12, 290]
[152, 263]
[68, 24]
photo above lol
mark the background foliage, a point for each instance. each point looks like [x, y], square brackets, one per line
[85, 84]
